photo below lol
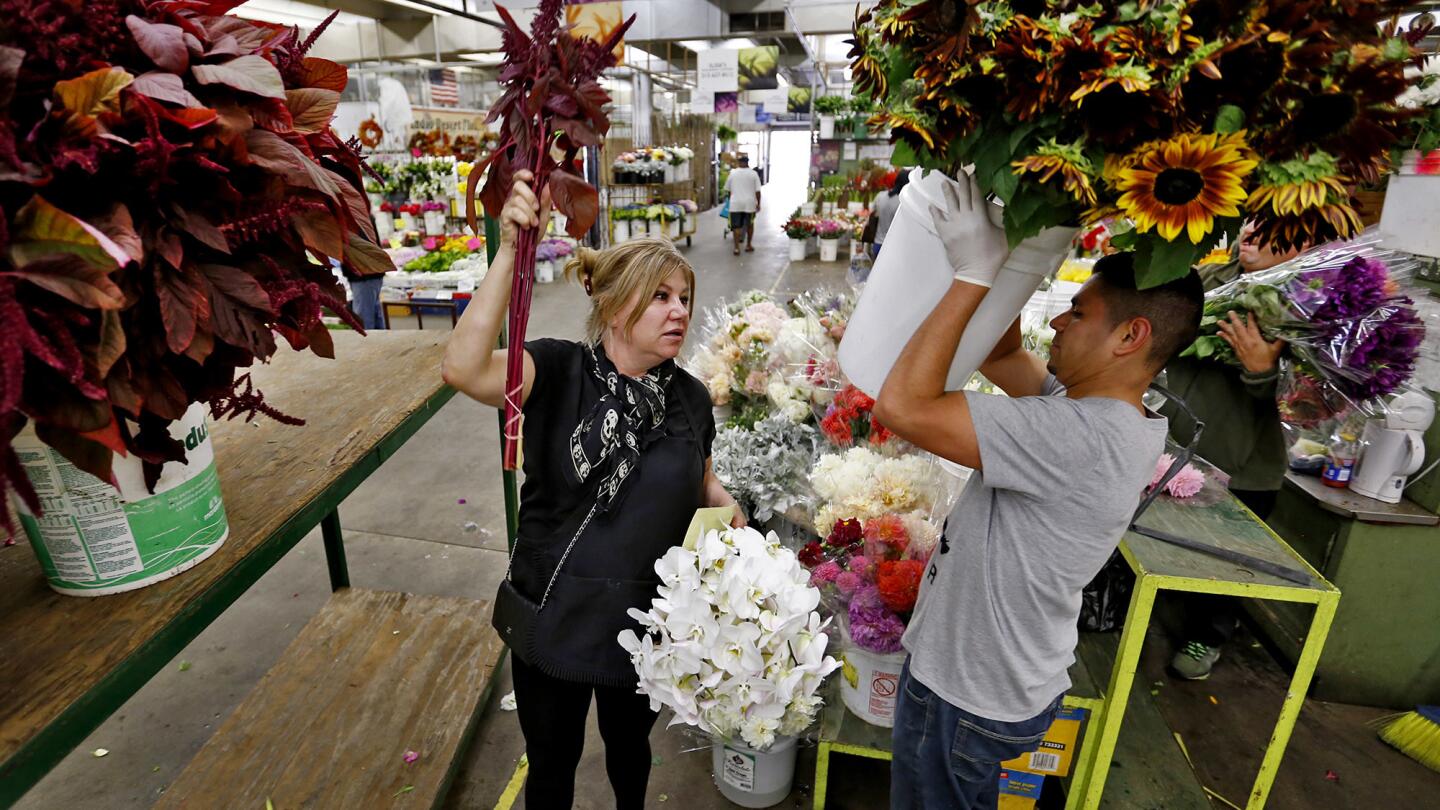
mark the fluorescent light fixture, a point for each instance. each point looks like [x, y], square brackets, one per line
[438, 12]
[291, 12]
[484, 57]
[698, 45]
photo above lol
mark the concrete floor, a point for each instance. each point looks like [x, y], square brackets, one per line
[405, 530]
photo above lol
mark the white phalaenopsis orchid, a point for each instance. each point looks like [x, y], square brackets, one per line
[733, 643]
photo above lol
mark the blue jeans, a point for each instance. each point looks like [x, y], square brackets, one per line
[365, 295]
[945, 758]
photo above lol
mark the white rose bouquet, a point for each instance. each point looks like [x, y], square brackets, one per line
[733, 643]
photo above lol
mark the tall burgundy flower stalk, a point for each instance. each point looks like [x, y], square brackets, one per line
[552, 103]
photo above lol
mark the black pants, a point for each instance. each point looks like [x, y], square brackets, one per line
[552, 718]
[1211, 620]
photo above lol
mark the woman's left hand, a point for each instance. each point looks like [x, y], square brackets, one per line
[717, 495]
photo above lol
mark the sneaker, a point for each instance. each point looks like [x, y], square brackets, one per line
[1194, 661]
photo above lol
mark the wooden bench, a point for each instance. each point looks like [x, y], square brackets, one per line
[67, 663]
[372, 676]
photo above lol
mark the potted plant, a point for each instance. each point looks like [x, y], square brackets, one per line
[861, 108]
[829, 196]
[829, 231]
[726, 135]
[752, 684]
[157, 240]
[798, 230]
[827, 107]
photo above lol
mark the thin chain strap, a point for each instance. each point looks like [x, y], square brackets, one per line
[573, 540]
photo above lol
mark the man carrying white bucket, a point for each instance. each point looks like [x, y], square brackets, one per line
[1060, 466]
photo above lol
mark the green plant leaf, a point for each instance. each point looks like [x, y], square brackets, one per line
[903, 155]
[1229, 120]
[1004, 183]
[1159, 261]
[250, 74]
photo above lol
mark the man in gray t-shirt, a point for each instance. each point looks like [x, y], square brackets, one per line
[1059, 470]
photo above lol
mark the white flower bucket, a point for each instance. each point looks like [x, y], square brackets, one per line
[870, 685]
[1409, 220]
[827, 126]
[797, 250]
[435, 223]
[384, 225]
[827, 207]
[910, 278]
[94, 539]
[689, 223]
[669, 172]
[620, 231]
[807, 209]
[752, 778]
[829, 250]
[854, 206]
[407, 222]
[672, 229]
[560, 221]
[544, 272]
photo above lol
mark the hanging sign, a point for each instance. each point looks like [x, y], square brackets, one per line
[702, 102]
[759, 67]
[747, 113]
[719, 70]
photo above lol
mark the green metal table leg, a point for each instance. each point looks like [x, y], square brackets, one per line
[335, 550]
[822, 774]
[1127, 659]
[1085, 764]
[1295, 698]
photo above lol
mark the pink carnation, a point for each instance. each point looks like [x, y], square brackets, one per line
[756, 382]
[1186, 483]
[1162, 466]
[861, 565]
[848, 582]
[825, 573]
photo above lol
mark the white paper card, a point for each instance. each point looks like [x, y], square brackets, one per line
[702, 102]
[719, 70]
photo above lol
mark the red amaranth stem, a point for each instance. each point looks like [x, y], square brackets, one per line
[519, 313]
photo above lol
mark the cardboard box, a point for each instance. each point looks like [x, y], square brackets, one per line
[1057, 751]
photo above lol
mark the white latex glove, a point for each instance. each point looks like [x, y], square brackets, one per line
[976, 249]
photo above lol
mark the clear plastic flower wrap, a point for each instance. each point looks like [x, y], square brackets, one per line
[1350, 325]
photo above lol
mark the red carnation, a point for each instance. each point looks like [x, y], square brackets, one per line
[812, 554]
[836, 426]
[899, 583]
[846, 533]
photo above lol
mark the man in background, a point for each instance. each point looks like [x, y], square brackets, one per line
[743, 186]
[1243, 438]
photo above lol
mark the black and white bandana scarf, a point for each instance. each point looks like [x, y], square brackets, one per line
[629, 415]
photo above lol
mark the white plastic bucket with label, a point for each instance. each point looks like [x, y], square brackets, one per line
[797, 250]
[870, 685]
[93, 539]
[911, 277]
[829, 250]
[752, 778]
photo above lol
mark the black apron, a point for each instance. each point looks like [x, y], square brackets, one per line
[565, 622]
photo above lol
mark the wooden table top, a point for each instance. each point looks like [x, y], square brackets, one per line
[69, 661]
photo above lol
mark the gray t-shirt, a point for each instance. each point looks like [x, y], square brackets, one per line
[994, 631]
[884, 211]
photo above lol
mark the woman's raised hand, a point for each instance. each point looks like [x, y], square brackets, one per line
[523, 209]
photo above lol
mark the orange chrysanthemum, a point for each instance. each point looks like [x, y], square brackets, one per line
[1183, 183]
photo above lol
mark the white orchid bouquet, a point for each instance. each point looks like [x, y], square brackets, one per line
[766, 467]
[733, 643]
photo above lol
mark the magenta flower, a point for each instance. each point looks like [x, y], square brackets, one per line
[873, 626]
[848, 582]
[825, 573]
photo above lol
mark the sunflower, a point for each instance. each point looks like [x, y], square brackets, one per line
[943, 25]
[1185, 182]
[1025, 51]
[865, 62]
[1065, 160]
[1302, 202]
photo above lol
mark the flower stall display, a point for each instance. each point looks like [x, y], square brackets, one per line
[437, 254]
[735, 363]
[861, 483]
[690, 221]
[734, 646]
[552, 104]
[652, 165]
[665, 219]
[766, 466]
[157, 242]
[850, 420]
[827, 107]
[548, 254]
[798, 230]
[1347, 323]
[829, 232]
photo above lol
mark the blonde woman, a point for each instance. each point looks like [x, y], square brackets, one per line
[617, 459]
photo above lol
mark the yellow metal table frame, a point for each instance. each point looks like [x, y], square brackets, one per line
[1157, 567]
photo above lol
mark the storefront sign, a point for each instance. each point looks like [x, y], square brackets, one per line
[719, 70]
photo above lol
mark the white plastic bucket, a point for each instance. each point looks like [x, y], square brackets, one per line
[434, 223]
[855, 206]
[544, 272]
[384, 225]
[797, 250]
[827, 126]
[621, 231]
[672, 229]
[870, 685]
[829, 249]
[807, 209]
[1409, 219]
[752, 778]
[827, 207]
[94, 540]
[910, 278]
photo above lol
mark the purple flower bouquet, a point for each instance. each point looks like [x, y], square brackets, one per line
[1342, 311]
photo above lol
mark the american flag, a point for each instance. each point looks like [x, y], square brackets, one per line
[444, 89]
